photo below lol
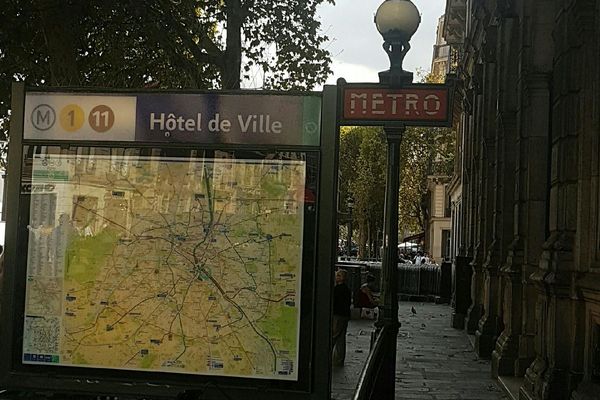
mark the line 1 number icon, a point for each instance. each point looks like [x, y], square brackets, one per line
[71, 117]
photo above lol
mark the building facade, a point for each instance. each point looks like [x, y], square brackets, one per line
[437, 227]
[441, 51]
[526, 192]
[436, 202]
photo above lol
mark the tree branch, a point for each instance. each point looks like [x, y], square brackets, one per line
[212, 54]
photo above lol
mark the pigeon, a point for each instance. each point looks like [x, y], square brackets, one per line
[412, 309]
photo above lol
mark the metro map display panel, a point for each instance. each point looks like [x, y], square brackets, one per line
[184, 265]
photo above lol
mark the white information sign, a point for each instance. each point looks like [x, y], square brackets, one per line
[79, 117]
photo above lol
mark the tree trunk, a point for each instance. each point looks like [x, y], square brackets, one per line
[56, 18]
[230, 72]
[362, 240]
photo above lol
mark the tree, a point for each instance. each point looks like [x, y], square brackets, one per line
[198, 44]
[423, 152]
[183, 43]
[362, 179]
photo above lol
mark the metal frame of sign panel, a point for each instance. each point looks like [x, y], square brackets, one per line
[342, 85]
[315, 382]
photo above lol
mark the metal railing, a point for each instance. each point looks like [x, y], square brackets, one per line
[370, 376]
[413, 280]
[429, 282]
[419, 280]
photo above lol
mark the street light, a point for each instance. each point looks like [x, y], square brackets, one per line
[397, 21]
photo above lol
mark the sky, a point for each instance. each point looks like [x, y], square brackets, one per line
[355, 44]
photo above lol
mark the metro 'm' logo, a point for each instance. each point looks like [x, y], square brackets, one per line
[43, 117]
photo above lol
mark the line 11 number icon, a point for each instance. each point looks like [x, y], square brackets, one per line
[101, 118]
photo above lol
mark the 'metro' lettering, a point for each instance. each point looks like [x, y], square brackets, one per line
[406, 104]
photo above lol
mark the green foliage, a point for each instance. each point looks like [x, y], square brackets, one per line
[350, 141]
[424, 152]
[289, 29]
[183, 43]
[362, 179]
[197, 44]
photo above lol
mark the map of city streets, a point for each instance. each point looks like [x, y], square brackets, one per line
[185, 265]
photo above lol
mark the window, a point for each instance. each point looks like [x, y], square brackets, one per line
[445, 244]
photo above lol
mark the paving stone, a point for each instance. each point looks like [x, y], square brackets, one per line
[434, 361]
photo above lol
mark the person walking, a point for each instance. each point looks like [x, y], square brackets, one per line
[342, 298]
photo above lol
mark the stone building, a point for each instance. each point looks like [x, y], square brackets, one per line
[437, 225]
[441, 51]
[526, 193]
[437, 210]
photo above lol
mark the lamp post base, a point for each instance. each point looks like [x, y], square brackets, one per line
[395, 78]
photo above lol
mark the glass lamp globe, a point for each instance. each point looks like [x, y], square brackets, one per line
[397, 17]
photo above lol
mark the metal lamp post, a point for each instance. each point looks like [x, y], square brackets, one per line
[397, 21]
[394, 103]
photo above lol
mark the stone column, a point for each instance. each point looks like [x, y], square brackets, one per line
[461, 293]
[506, 347]
[558, 344]
[585, 290]
[477, 203]
[550, 375]
[515, 355]
[531, 189]
[532, 206]
[486, 334]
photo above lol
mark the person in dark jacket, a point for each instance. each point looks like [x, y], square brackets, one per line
[341, 315]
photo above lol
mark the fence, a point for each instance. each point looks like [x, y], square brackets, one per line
[413, 280]
[419, 280]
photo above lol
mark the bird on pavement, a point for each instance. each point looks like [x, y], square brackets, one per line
[412, 309]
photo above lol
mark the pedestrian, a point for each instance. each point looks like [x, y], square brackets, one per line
[342, 298]
[365, 298]
[419, 258]
[425, 259]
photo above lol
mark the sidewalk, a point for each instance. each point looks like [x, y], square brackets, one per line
[434, 361]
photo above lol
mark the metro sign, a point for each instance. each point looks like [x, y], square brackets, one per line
[415, 104]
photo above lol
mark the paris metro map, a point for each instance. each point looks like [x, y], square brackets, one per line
[185, 265]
